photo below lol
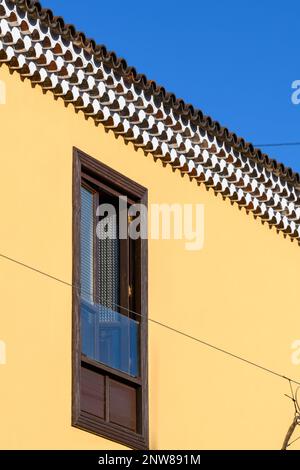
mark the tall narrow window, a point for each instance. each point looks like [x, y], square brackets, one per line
[109, 307]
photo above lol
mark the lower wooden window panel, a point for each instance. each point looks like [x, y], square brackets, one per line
[110, 406]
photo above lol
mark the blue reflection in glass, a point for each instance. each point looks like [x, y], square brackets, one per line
[109, 337]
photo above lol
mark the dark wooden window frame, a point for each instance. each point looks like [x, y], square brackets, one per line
[81, 419]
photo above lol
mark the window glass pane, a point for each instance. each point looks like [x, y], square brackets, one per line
[106, 335]
[110, 337]
[87, 244]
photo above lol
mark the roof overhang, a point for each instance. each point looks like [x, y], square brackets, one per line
[56, 57]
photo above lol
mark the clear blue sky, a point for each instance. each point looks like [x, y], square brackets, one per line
[233, 59]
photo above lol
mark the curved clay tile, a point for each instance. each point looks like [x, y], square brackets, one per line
[104, 87]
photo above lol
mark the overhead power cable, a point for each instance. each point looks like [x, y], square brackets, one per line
[279, 144]
[168, 327]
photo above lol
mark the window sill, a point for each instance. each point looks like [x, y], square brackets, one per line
[90, 423]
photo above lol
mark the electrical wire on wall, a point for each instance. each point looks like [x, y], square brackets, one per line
[168, 327]
[296, 419]
[294, 395]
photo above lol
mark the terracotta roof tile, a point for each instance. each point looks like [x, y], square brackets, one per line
[54, 55]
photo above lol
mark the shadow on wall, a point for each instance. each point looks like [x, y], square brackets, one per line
[2, 353]
[2, 92]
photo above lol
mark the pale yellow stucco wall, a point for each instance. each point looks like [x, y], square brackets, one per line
[241, 292]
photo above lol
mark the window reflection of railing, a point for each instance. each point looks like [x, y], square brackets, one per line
[110, 337]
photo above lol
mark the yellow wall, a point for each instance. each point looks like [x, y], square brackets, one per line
[240, 292]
